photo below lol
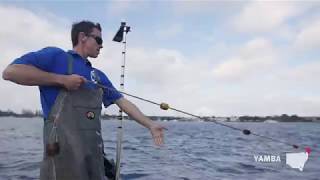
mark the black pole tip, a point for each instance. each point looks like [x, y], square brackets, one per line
[295, 146]
[246, 131]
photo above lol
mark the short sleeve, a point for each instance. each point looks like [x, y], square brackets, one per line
[111, 94]
[42, 59]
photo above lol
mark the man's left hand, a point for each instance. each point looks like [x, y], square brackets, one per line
[157, 133]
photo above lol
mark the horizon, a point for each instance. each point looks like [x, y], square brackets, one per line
[39, 113]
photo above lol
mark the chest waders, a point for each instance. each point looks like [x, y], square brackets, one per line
[74, 126]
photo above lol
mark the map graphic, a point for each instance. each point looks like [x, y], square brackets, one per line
[298, 160]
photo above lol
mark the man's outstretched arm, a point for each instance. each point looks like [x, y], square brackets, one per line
[134, 112]
[32, 76]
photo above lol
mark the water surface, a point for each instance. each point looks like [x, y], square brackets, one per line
[193, 150]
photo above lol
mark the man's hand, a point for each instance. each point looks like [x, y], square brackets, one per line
[72, 82]
[133, 111]
[157, 133]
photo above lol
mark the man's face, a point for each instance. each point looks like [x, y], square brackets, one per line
[93, 43]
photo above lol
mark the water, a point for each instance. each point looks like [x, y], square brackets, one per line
[193, 150]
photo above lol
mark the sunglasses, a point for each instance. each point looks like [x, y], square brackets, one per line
[97, 38]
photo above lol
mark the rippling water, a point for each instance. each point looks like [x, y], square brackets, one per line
[193, 150]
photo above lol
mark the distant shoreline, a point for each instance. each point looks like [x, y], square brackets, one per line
[265, 119]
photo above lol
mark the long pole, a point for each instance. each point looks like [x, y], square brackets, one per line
[121, 36]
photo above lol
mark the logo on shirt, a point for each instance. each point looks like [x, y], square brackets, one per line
[94, 76]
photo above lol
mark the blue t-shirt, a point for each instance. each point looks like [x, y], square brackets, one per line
[55, 60]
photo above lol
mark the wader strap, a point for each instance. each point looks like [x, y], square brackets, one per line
[70, 64]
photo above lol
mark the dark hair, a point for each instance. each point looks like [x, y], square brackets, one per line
[82, 26]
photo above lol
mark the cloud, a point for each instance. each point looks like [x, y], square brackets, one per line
[253, 59]
[122, 8]
[308, 38]
[232, 79]
[260, 16]
[38, 32]
[117, 7]
[185, 8]
[169, 31]
[25, 31]
[301, 77]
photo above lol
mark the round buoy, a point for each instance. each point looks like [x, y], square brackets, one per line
[164, 106]
[246, 132]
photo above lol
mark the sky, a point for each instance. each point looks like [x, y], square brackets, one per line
[221, 58]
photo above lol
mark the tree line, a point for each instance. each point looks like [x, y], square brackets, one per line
[281, 118]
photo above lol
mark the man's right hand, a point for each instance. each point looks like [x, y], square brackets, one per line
[72, 82]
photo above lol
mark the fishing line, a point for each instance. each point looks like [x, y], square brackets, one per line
[166, 106]
[53, 148]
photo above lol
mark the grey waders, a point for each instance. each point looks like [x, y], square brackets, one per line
[73, 128]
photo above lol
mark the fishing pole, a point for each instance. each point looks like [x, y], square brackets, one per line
[121, 36]
[165, 106]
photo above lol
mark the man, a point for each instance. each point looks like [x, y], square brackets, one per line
[71, 104]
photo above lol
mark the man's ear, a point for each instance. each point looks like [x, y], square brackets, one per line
[82, 36]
